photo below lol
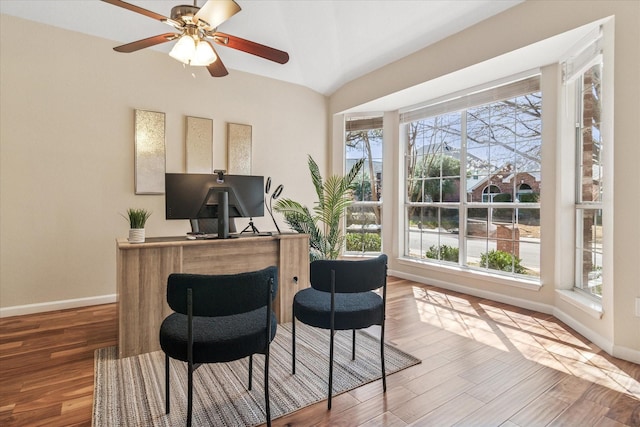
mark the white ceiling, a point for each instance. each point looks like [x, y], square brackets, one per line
[330, 42]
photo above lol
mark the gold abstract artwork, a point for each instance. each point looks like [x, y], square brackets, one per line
[149, 152]
[238, 149]
[199, 145]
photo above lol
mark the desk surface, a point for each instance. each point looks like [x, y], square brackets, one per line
[123, 242]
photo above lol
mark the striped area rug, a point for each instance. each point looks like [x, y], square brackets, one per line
[130, 391]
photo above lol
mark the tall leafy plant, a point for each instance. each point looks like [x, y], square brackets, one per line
[322, 223]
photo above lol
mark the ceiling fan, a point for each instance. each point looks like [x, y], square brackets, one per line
[196, 27]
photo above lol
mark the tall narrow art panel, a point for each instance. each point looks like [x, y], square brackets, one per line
[199, 145]
[149, 152]
[238, 149]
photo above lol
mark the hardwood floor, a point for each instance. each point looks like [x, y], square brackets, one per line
[483, 364]
[46, 365]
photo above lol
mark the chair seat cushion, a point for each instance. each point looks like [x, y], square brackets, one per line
[217, 339]
[353, 310]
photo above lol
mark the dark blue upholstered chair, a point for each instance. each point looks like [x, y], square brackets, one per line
[219, 318]
[341, 297]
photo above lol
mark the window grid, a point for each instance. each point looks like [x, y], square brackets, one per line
[473, 185]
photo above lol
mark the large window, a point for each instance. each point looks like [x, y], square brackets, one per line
[473, 180]
[363, 140]
[589, 181]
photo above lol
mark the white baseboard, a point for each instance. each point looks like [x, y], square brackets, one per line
[626, 353]
[620, 352]
[19, 310]
[579, 327]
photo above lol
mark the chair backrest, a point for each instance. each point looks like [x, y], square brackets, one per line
[351, 276]
[222, 295]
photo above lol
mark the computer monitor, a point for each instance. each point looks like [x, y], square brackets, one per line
[197, 196]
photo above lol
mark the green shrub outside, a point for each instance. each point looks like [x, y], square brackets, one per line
[500, 260]
[529, 197]
[502, 198]
[364, 242]
[444, 252]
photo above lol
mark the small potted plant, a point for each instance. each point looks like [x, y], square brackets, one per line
[137, 219]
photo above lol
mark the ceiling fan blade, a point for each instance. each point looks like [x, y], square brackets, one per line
[253, 48]
[215, 12]
[137, 9]
[148, 42]
[217, 68]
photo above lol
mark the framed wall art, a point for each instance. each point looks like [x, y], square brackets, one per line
[149, 152]
[199, 145]
[238, 149]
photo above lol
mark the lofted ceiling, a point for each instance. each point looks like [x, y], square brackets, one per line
[330, 42]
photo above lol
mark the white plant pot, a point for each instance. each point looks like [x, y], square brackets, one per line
[136, 235]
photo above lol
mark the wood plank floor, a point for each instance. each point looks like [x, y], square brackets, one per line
[483, 364]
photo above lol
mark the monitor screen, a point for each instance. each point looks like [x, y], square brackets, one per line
[195, 195]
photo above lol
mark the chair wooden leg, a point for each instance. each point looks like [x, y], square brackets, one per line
[166, 384]
[293, 344]
[330, 370]
[250, 371]
[189, 393]
[353, 346]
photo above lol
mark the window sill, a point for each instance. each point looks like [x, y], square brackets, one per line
[471, 273]
[589, 306]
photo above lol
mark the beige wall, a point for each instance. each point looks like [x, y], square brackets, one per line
[66, 163]
[619, 329]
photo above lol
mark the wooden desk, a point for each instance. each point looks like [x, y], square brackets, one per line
[143, 269]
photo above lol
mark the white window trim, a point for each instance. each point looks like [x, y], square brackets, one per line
[581, 301]
[471, 274]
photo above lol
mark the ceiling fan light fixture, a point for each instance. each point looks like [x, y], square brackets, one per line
[194, 27]
[204, 54]
[184, 49]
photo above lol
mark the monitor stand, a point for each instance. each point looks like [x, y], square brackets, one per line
[250, 227]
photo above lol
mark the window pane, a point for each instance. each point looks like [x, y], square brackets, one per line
[432, 233]
[478, 126]
[528, 155]
[590, 138]
[363, 228]
[415, 190]
[528, 123]
[363, 141]
[589, 250]
[475, 248]
[366, 188]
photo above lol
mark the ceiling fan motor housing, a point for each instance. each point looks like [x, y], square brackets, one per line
[184, 13]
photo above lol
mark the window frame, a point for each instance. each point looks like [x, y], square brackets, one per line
[516, 88]
[362, 122]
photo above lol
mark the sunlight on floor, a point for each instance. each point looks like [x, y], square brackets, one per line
[537, 337]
